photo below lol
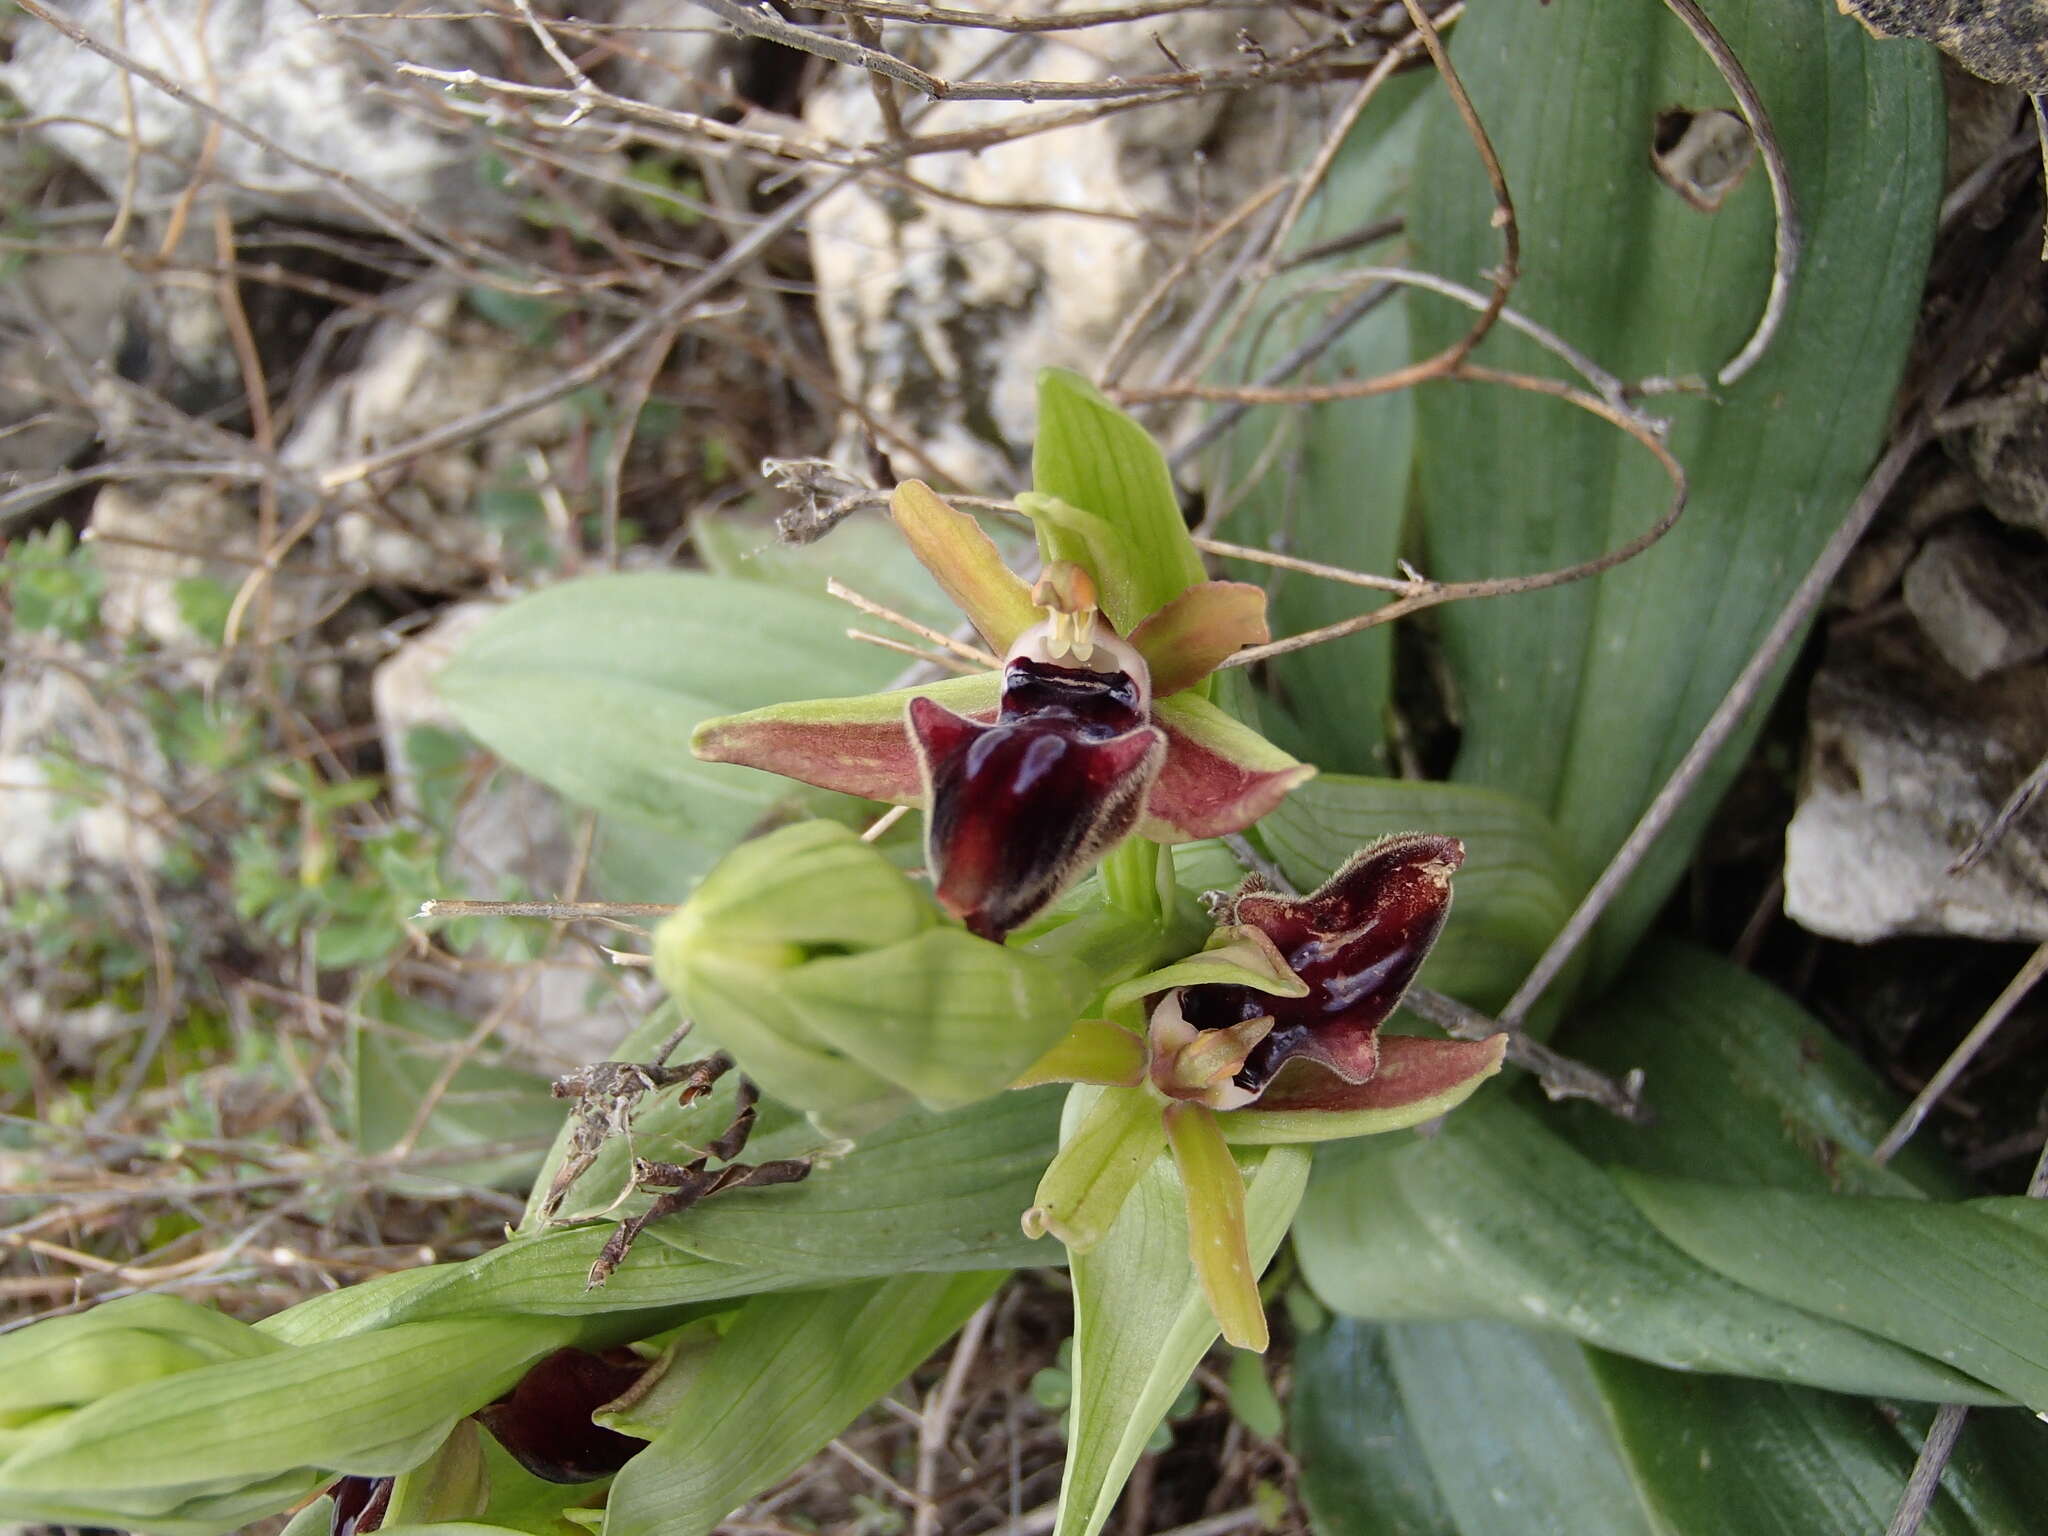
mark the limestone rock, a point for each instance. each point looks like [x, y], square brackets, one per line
[1906, 762]
[940, 312]
[427, 365]
[321, 89]
[2009, 454]
[509, 832]
[1983, 605]
[51, 713]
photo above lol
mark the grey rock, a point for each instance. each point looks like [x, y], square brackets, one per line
[939, 313]
[1905, 764]
[320, 89]
[428, 364]
[1983, 605]
[2009, 454]
[510, 830]
[52, 711]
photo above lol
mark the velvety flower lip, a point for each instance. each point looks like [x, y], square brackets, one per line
[1020, 807]
[1108, 729]
[1357, 942]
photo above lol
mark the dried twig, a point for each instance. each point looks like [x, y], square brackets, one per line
[2016, 805]
[1726, 719]
[1788, 237]
[1965, 1052]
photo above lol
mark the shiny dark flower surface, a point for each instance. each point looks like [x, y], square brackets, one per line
[1357, 941]
[544, 1421]
[1021, 806]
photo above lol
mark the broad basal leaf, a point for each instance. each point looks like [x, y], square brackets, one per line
[1330, 483]
[594, 687]
[1960, 1282]
[1496, 1217]
[1584, 697]
[1744, 1082]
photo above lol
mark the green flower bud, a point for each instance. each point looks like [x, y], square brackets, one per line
[842, 990]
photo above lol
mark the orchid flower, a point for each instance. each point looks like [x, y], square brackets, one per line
[1270, 1034]
[1032, 772]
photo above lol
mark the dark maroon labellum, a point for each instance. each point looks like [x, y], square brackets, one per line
[1022, 806]
[544, 1422]
[360, 1504]
[1357, 940]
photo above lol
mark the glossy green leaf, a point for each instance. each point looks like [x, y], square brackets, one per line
[791, 1373]
[1961, 1282]
[257, 1429]
[1744, 1082]
[1497, 1217]
[595, 686]
[1584, 697]
[1509, 899]
[1093, 457]
[1720, 1457]
[1141, 1323]
[928, 1192]
[1331, 481]
[1363, 1468]
[68, 1362]
[1512, 1425]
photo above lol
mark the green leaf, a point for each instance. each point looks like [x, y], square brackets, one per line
[1252, 1400]
[927, 1192]
[1584, 697]
[1333, 480]
[1094, 457]
[1496, 1217]
[1960, 1282]
[1141, 1323]
[1744, 1082]
[792, 1372]
[1363, 1469]
[68, 1362]
[485, 1103]
[372, 1404]
[1719, 1457]
[1511, 1423]
[595, 686]
[1510, 898]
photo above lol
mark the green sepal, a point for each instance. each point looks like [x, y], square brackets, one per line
[1141, 1322]
[1110, 1137]
[1093, 1051]
[1096, 459]
[947, 1017]
[1218, 1247]
[1241, 957]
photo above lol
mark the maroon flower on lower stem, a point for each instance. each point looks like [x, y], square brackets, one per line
[1356, 942]
[544, 1422]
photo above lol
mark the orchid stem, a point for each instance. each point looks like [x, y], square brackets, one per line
[1130, 879]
